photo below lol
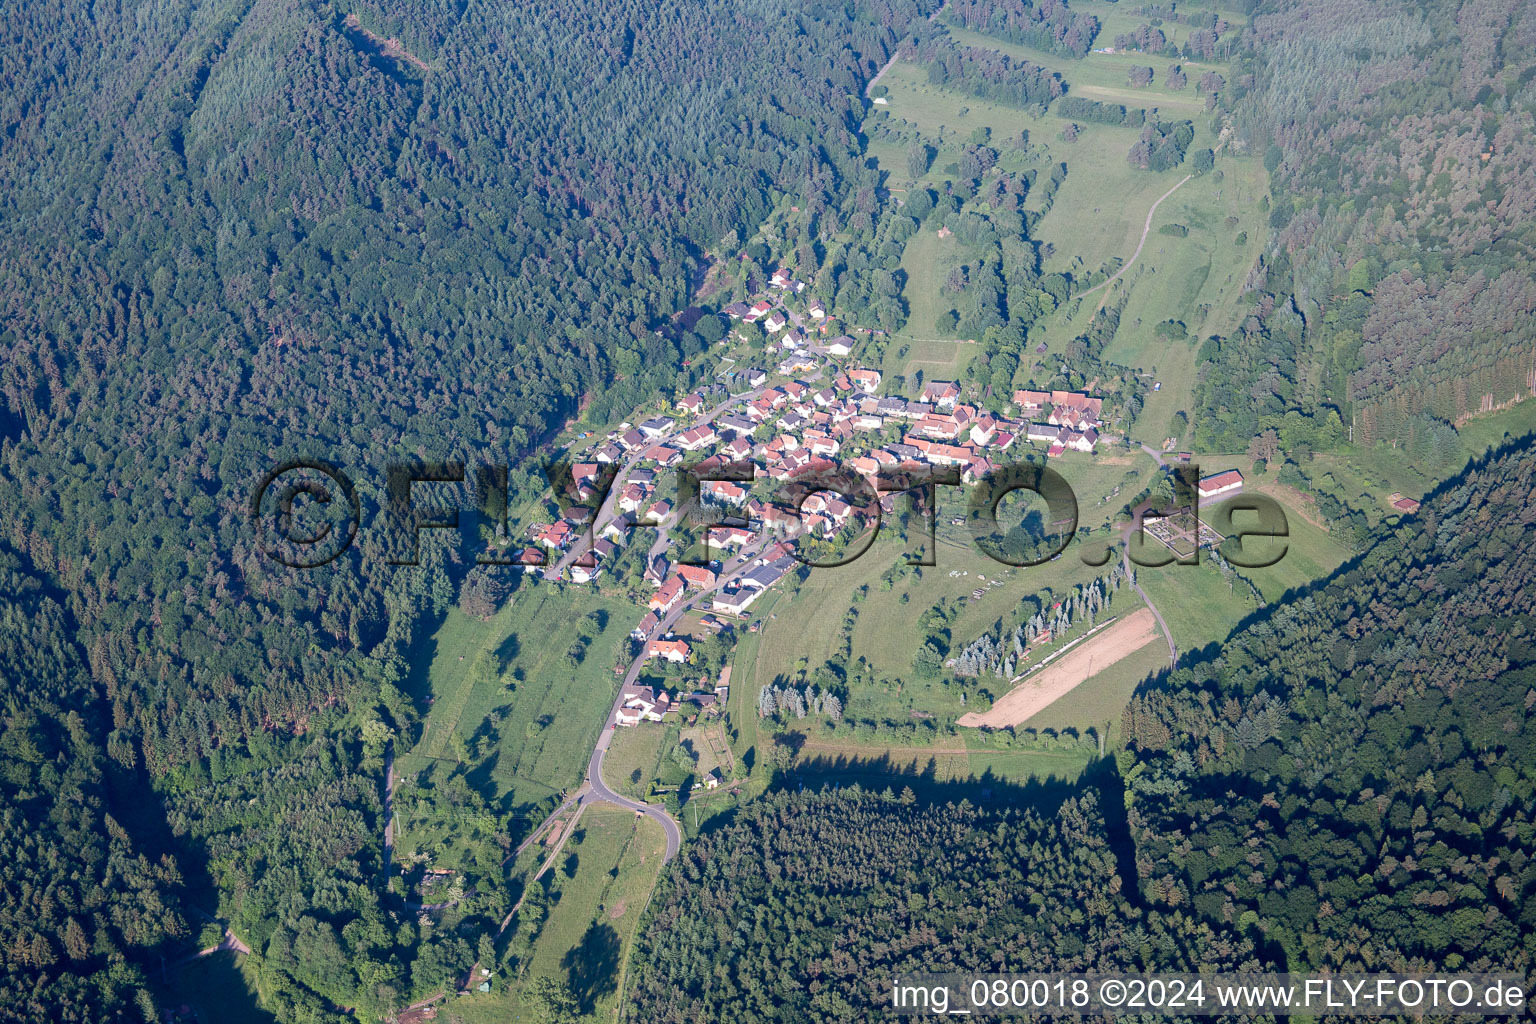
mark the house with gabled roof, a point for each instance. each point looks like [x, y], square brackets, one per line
[642, 704]
[667, 598]
[675, 651]
[941, 393]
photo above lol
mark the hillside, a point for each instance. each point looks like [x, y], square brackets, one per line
[1352, 775]
[806, 905]
[1348, 785]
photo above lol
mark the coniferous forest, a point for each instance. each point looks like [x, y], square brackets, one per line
[236, 232]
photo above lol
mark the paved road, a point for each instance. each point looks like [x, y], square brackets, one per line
[601, 793]
[600, 790]
[1125, 562]
[608, 511]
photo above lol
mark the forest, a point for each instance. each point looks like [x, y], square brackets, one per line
[1348, 783]
[1050, 25]
[1400, 141]
[368, 230]
[805, 905]
[236, 234]
[1354, 777]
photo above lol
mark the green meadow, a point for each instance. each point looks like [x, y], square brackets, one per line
[508, 705]
[599, 888]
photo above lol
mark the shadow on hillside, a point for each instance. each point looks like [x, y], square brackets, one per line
[1043, 796]
[592, 966]
[1384, 536]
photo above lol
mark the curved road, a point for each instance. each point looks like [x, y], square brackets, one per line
[601, 793]
[1145, 230]
[600, 790]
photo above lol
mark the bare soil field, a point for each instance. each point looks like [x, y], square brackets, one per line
[1056, 680]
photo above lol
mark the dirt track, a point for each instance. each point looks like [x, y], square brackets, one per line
[1057, 679]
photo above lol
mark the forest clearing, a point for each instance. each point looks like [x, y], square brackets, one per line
[1049, 685]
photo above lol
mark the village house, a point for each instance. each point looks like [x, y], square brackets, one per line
[816, 310]
[667, 598]
[1222, 483]
[775, 321]
[695, 438]
[657, 513]
[1031, 401]
[663, 455]
[675, 651]
[696, 577]
[656, 570]
[730, 536]
[632, 497]
[725, 491]
[692, 404]
[735, 601]
[736, 424]
[1078, 411]
[556, 536]
[866, 380]
[941, 393]
[646, 628]
[642, 704]
[618, 529]
[656, 426]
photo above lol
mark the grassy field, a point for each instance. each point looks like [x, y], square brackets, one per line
[550, 713]
[1105, 76]
[1084, 227]
[1099, 212]
[599, 888]
[637, 750]
[1097, 702]
[1196, 601]
[885, 634]
[927, 260]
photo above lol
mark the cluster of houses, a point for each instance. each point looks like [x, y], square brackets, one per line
[648, 704]
[793, 429]
[793, 333]
[1071, 420]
